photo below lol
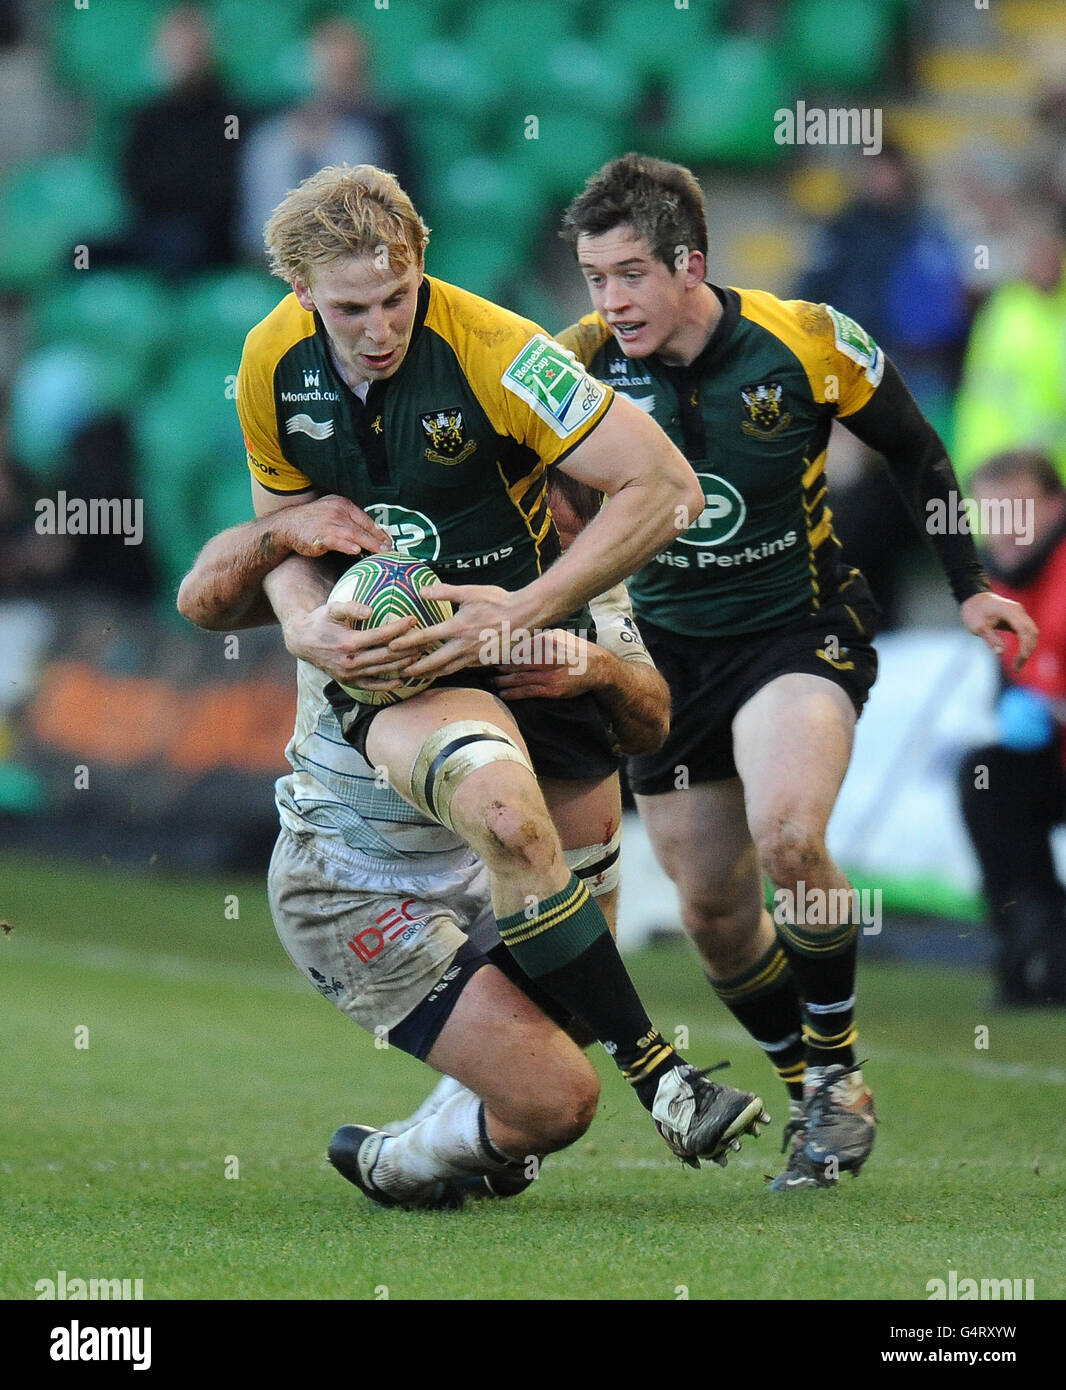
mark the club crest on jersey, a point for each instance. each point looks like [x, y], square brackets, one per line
[444, 429]
[762, 402]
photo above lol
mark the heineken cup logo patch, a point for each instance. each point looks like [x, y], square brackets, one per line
[552, 382]
[856, 343]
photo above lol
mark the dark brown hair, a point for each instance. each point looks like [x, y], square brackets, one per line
[662, 202]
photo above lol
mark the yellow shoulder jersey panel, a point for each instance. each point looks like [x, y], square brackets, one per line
[264, 347]
[585, 338]
[532, 389]
[844, 365]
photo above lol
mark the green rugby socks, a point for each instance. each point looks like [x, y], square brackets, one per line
[563, 943]
[765, 1001]
[824, 965]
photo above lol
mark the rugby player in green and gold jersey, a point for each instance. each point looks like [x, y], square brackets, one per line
[761, 631]
[439, 414]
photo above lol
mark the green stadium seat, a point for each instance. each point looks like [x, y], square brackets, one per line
[50, 207]
[445, 77]
[129, 310]
[480, 193]
[569, 145]
[824, 51]
[189, 449]
[106, 49]
[655, 35]
[392, 35]
[578, 74]
[515, 43]
[220, 308]
[722, 103]
[23, 791]
[60, 388]
[436, 142]
[482, 262]
[262, 49]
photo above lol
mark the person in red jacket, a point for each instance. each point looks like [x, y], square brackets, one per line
[1014, 790]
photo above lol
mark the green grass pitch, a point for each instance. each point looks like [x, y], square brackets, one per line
[205, 1046]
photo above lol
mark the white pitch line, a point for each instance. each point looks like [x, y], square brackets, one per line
[92, 956]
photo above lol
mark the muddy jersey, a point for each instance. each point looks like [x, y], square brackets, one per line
[449, 454]
[752, 414]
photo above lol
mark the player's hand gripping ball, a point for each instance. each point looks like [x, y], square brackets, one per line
[390, 585]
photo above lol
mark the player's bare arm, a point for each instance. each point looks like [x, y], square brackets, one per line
[224, 591]
[633, 693]
[892, 424]
[652, 494]
[986, 615]
[325, 634]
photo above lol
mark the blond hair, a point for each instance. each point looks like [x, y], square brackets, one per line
[344, 210]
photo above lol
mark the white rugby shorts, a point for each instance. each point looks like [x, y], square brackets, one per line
[375, 937]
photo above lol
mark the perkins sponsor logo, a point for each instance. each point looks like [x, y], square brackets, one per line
[723, 513]
[413, 534]
[750, 555]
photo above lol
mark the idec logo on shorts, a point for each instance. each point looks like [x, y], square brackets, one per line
[394, 924]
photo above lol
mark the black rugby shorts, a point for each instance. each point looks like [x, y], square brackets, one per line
[710, 678]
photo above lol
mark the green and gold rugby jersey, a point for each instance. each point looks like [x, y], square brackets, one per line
[449, 454]
[752, 415]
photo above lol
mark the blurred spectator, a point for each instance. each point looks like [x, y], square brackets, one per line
[1012, 806]
[42, 548]
[102, 466]
[1013, 391]
[887, 261]
[29, 562]
[1047, 171]
[338, 124]
[178, 167]
[10, 24]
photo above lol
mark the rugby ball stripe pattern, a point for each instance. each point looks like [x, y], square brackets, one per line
[390, 585]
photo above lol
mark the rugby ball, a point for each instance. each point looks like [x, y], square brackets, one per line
[390, 585]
